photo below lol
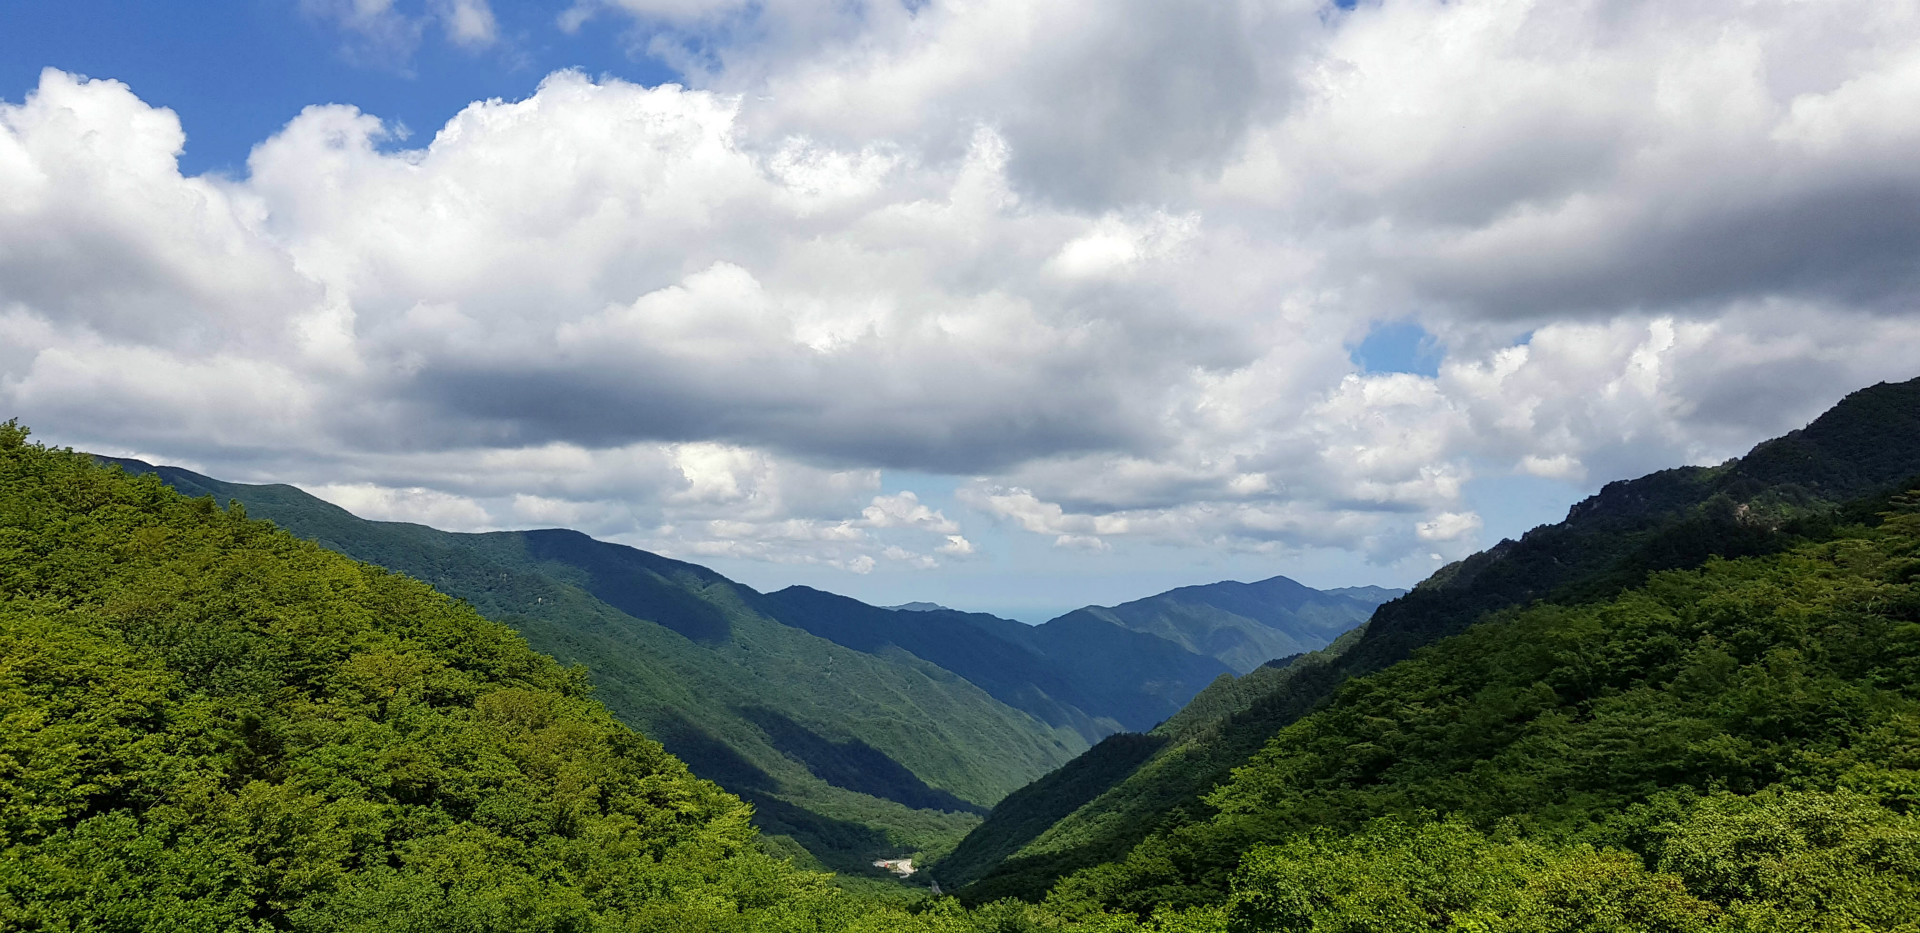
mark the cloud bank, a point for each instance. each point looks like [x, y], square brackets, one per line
[1104, 262]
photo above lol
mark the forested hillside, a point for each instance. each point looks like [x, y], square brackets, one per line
[1099, 669]
[1096, 679]
[1736, 746]
[1778, 495]
[852, 755]
[1096, 807]
[211, 725]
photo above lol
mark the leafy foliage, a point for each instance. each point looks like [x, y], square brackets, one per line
[1781, 861]
[1751, 727]
[210, 724]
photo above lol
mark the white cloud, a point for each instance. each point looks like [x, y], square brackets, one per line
[905, 510]
[467, 23]
[1102, 262]
[1448, 526]
[387, 32]
[422, 506]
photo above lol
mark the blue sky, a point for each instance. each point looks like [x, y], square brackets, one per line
[237, 70]
[1006, 306]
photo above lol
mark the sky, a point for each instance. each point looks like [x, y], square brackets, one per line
[1009, 306]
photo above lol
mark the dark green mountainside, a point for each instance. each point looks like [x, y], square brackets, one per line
[1098, 669]
[1758, 504]
[1750, 730]
[851, 754]
[211, 726]
[1026, 667]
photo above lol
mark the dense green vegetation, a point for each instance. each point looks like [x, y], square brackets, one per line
[1765, 708]
[210, 725]
[1095, 681]
[1782, 493]
[846, 755]
[1097, 807]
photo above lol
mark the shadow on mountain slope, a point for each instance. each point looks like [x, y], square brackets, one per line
[853, 765]
[633, 581]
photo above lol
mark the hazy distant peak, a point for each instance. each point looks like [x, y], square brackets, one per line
[1372, 594]
[922, 606]
[1244, 625]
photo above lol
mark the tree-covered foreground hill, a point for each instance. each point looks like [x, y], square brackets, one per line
[1735, 747]
[211, 725]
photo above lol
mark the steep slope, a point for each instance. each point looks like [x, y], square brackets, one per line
[1754, 505]
[847, 753]
[1245, 625]
[1096, 807]
[211, 725]
[1793, 679]
[996, 654]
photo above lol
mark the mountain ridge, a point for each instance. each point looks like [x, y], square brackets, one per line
[1867, 443]
[1245, 625]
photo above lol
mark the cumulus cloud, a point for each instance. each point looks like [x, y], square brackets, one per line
[1102, 262]
[415, 504]
[904, 510]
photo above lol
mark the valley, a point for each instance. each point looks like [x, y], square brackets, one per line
[855, 731]
[1700, 675]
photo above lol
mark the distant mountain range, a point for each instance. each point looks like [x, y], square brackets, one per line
[1245, 625]
[855, 730]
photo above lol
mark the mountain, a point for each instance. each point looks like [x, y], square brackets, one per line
[1097, 807]
[1774, 498]
[1091, 676]
[920, 606]
[846, 753]
[212, 725]
[1245, 625]
[1100, 669]
[1729, 747]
